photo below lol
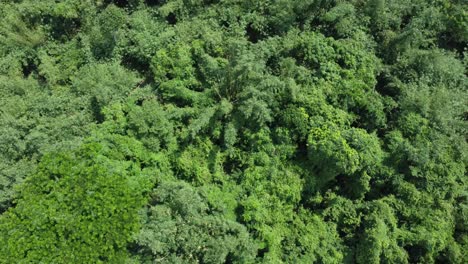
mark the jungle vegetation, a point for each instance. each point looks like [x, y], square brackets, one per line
[233, 131]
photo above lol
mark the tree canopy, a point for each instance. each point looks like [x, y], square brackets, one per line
[218, 131]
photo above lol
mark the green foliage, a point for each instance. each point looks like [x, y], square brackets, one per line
[331, 151]
[35, 120]
[185, 131]
[102, 84]
[79, 206]
[180, 227]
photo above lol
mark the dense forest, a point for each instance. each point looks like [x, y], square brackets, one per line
[233, 131]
